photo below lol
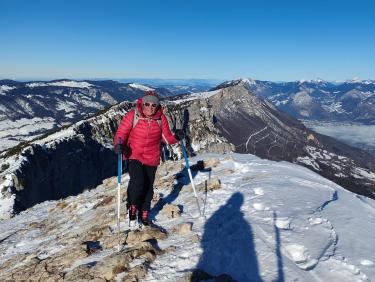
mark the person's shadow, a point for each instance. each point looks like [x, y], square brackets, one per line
[228, 247]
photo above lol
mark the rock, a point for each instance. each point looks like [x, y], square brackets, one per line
[135, 274]
[207, 185]
[112, 265]
[110, 181]
[61, 204]
[183, 228]
[195, 238]
[166, 182]
[156, 197]
[213, 184]
[211, 163]
[147, 233]
[171, 211]
[106, 201]
[111, 240]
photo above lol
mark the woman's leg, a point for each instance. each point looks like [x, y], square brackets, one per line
[136, 182]
[148, 186]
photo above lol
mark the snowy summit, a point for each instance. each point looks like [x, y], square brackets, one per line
[263, 221]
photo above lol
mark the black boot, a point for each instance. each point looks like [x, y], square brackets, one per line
[144, 218]
[132, 212]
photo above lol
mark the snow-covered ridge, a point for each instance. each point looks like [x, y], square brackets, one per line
[140, 87]
[5, 88]
[63, 83]
[196, 96]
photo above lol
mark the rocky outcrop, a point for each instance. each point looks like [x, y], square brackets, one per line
[76, 239]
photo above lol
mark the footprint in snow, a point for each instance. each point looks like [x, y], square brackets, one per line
[367, 262]
[300, 255]
[260, 207]
[283, 223]
[259, 191]
[315, 221]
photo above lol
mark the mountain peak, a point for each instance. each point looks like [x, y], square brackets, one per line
[236, 82]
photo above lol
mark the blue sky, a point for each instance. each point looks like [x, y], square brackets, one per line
[268, 40]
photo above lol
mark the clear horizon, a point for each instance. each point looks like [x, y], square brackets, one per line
[174, 79]
[164, 39]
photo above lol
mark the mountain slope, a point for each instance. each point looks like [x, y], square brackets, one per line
[255, 126]
[348, 101]
[273, 221]
[30, 109]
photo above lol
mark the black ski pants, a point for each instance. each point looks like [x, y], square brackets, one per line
[141, 184]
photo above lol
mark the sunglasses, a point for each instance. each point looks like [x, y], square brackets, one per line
[148, 105]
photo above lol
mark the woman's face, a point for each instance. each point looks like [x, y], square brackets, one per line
[149, 109]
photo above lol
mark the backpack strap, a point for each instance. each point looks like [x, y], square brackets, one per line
[138, 117]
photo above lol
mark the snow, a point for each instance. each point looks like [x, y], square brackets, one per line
[195, 96]
[6, 203]
[5, 88]
[71, 83]
[334, 107]
[302, 99]
[36, 84]
[64, 83]
[140, 87]
[11, 132]
[270, 221]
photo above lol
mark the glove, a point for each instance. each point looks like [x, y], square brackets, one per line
[179, 134]
[119, 148]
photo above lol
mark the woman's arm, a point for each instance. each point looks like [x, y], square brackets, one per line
[125, 127]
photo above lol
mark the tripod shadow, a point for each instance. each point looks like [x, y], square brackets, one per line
[228, 247]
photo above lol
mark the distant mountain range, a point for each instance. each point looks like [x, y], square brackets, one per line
[28, 109]
[348, 101]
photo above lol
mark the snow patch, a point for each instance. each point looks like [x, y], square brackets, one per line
[140, 87]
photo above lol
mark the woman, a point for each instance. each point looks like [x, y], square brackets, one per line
[141, 131]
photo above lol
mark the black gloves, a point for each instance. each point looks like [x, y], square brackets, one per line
[119, 148]
[179, 134]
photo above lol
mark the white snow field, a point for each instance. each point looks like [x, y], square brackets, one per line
[269, 221]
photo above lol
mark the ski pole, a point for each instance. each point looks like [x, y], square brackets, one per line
[119, 171]
[165, 160]
[190, 176]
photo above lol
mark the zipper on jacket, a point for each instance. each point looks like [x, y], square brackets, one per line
[148, 132]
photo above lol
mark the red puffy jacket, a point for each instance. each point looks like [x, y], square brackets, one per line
[144, 139]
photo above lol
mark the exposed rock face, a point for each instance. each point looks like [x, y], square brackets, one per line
[229, 119]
